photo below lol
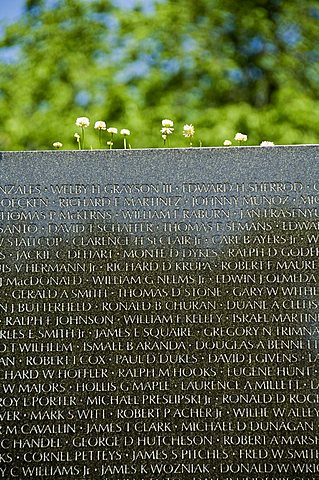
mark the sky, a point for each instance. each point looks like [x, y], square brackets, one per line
[10, 10]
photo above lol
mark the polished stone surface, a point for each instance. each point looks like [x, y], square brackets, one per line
[159, 313]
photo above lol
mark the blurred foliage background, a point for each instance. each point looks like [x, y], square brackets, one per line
[222, 65]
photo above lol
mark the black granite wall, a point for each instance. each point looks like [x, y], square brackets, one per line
[159, 314]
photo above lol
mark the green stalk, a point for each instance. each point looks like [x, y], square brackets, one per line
[82, 137]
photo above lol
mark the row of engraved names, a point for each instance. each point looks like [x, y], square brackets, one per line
[133, 351]
[130, 363]
[255, 221]
[129, 471]
[83, 322]
[60, 245]
[134, 391]
[190, 306]
[72, 270]
[113, 454]
[282, 187]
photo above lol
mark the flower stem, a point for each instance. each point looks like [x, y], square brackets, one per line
[100, 140]
[82, 138]
[125, 146]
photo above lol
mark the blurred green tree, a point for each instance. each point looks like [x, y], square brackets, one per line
[224, 66]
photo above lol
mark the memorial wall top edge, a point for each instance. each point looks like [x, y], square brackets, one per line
[169, 149]
[233, 164]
